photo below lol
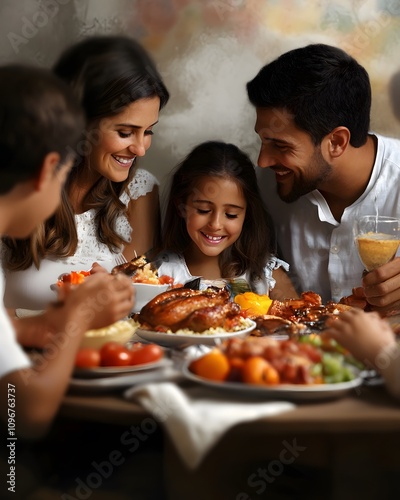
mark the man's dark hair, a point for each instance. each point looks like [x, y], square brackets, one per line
[321, 86]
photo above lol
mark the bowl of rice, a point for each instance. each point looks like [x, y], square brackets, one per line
[148, 284]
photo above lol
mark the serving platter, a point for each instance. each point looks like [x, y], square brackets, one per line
[112, 383]
[294, 392]
[179, 340]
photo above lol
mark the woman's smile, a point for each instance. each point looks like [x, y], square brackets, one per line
[124, 161]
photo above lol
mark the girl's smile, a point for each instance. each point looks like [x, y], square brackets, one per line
[213, 239]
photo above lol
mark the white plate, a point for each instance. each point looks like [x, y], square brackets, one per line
[123, 381]
[181, 339]
[106, 371]
[296, 392]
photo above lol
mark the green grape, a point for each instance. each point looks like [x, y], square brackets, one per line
[332, 363]
[313, 339]
[316, 370]
[348, 374]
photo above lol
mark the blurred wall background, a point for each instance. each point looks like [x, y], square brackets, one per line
[208, 49]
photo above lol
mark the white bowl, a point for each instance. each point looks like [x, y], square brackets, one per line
[144, 293]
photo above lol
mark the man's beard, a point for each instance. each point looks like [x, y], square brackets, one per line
[321, 170]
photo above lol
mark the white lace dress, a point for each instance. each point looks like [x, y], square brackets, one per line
[30, 289]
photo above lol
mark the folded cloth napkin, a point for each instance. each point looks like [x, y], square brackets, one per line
[196, 417]
[26, 313]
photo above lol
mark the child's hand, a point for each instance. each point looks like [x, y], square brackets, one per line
[363, 334]
[102, 299]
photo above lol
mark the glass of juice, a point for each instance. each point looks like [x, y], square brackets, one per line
[377, 238]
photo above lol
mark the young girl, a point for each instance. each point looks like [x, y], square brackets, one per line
[108, 205]
[216, 226]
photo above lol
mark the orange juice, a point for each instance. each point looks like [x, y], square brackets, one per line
[376, 249]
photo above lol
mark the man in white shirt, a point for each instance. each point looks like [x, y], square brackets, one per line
[321, 168]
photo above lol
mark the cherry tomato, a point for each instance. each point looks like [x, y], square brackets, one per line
[114, 354]
[87, 357]
[74, 278]
[165, 280]
[145, 354]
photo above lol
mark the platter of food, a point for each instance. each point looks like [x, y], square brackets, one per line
[183, 316]
[116, 358]
[295, 392]
[291, 317]
[302, 369]
[186, 338]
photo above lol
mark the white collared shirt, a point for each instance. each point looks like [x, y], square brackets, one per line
[321, 251]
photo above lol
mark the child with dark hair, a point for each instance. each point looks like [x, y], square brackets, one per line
[40, 125]
[216, 226]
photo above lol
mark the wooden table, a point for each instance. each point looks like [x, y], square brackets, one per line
[344, 448]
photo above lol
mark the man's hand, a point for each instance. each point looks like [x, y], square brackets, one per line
[381, 287]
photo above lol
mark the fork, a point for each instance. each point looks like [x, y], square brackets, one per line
[120, 259]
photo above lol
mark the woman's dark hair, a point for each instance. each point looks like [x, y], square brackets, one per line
[321, 86]
[109, 72]
[252, 249]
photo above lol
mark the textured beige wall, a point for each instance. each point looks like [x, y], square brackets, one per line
[207, 50]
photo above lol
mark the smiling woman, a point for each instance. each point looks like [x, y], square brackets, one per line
[109, 206]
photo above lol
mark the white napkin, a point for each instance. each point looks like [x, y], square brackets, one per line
[196, 418]
[26, 313]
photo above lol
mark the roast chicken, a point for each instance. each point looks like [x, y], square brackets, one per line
[195, 310]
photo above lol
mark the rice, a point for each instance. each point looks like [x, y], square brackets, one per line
[146, 275]
[242, 325]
